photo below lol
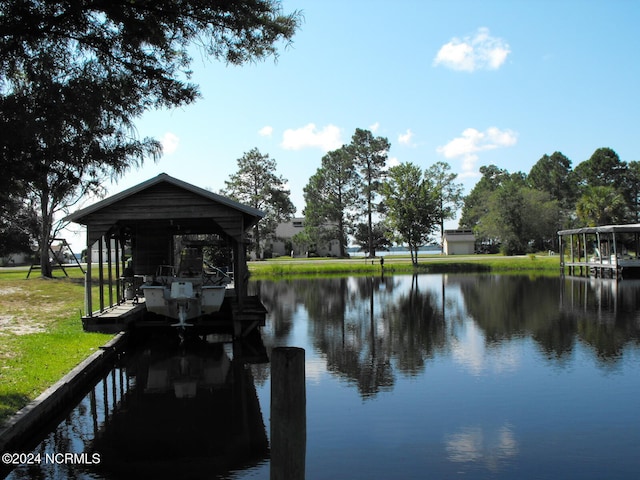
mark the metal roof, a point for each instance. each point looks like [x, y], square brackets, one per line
[628, 228]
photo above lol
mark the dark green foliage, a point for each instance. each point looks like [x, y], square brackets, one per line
[523, 213]
[553, 174]
[604, 168]
[380, 237]
[331, 198]
[75, 75]
[257, 185]
[412, 204]
[476, 204]
[369, 154]
[17, 223]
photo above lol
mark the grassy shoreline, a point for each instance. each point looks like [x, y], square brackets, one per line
[41, 336]
[402, 264]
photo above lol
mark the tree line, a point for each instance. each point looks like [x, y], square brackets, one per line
[519, 213]
[352, 194]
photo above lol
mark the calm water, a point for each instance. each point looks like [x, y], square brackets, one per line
[429, 376]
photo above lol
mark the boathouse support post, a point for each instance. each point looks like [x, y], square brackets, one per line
[288, 414]
[561, 247]
[88, 286]
[116, 255]
[579, 251]
[600, 252]
[240, 270]
[101, 274]
[582, 255]
[561, 256]
[614, 255]
[109, 242]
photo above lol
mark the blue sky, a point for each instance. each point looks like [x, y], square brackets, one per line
[471, 83]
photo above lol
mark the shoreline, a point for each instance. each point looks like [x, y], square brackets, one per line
[285, 266]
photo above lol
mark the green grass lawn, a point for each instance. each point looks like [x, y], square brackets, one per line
[41, 336]
[402, 264]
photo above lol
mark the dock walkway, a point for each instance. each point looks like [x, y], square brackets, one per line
[240, 319]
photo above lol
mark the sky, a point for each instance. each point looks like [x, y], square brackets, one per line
[470, 83]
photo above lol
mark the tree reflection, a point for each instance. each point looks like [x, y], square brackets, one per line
[556, 312]
[347, 327]
[417, 329]
[363, 325]
[371, 329]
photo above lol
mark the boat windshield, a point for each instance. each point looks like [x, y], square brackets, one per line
[190, 262]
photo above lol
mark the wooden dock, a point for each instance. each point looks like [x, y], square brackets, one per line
[238, 319]
[118, 318]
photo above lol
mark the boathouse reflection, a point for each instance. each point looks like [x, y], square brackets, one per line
[191, 409]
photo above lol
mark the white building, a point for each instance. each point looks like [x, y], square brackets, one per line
[284, 244]
[458, 242]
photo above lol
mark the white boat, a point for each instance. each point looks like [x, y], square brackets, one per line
[187, 294]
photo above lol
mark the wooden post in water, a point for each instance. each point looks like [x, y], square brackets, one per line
[288, 414]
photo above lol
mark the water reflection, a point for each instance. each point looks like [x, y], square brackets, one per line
[439, 376]
[193, 406]
[492, 447]
[491, 374]
[371, 329]
[168, 410]
[360, 324]
[470, 348]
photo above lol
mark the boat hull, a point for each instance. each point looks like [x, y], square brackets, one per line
[181, 301]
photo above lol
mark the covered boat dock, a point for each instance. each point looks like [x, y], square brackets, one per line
[603, 251]
[133, 233]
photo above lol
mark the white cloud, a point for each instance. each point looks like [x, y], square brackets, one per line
[309, 136]
[478, 52]
[471, 142]
[405, 138]
[265, 131]
[374, 128]
[169, 142]
[491, 446]
[393, 162]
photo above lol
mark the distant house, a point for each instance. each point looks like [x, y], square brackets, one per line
[109, 249]
[458, 242]
[284, 244]
[12, 259]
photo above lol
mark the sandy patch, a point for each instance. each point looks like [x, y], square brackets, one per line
[15, 326]
[9, 291]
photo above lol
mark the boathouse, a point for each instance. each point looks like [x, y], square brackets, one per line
[607, 250]
[144, 221]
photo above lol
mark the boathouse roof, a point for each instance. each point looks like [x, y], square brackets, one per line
[167, 198]
[628, 228]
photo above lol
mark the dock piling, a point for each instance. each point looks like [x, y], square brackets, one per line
[288, 414]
